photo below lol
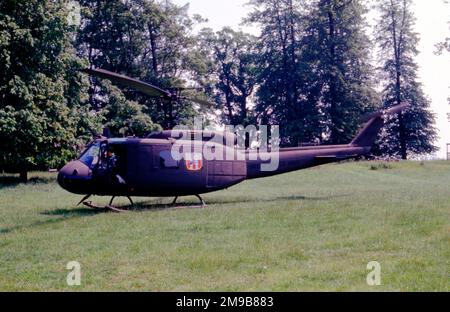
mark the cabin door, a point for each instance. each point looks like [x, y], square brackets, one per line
[145, 163]
[210, 173]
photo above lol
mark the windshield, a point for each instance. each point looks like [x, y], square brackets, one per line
[91, 156]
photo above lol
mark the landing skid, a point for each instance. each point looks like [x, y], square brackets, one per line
[107, 207]
[110, 207]
[93, 206]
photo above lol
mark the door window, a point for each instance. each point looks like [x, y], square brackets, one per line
[166, 160]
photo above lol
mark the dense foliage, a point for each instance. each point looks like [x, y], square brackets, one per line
[310, 71]
[147, 40]
[411, 132]
[43, 115]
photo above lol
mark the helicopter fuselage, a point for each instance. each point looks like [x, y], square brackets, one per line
[150, 168]
[145, 167]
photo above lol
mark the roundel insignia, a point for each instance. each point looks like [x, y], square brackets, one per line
[194, 161]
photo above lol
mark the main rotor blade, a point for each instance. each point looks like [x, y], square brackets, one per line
[141, 86]
[199, 101]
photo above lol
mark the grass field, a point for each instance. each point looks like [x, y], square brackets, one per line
[311, 230]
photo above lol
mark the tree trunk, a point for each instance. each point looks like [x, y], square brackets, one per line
[333, 109]
[23, 175]
[153, 48]
[401, 122]
[403, 150]
[398, 87]
[293, 73]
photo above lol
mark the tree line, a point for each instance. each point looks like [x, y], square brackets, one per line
[315, 70]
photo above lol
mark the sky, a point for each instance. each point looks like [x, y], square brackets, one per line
[432, 26]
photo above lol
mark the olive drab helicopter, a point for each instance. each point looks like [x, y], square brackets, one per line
[146, 167]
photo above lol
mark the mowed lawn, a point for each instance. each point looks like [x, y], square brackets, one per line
[312, 230]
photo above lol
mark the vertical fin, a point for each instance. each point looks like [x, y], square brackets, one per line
[367, 136]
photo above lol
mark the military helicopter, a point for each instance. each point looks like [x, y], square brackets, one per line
[146, 167]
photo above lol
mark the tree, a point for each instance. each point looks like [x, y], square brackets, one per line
[42, 117]
[441, 47]
[336, 50]
[111, 37]
[315, 68]
[280, 92]
[233, 59]
[445, 44]
[125, 117]
[144, 39]
[412, 132]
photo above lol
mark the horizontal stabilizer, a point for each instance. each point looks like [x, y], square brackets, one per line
[322, 160]
[336, 157]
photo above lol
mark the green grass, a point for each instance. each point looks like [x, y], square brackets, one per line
[310, 230]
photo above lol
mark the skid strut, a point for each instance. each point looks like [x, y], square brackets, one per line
[84, 199]
[202, 202]
[129, 198]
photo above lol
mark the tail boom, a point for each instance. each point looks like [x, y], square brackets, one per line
[293, 159]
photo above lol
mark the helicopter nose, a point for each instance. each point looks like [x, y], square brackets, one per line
[74, 177]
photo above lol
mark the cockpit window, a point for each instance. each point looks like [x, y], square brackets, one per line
[91, 156]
